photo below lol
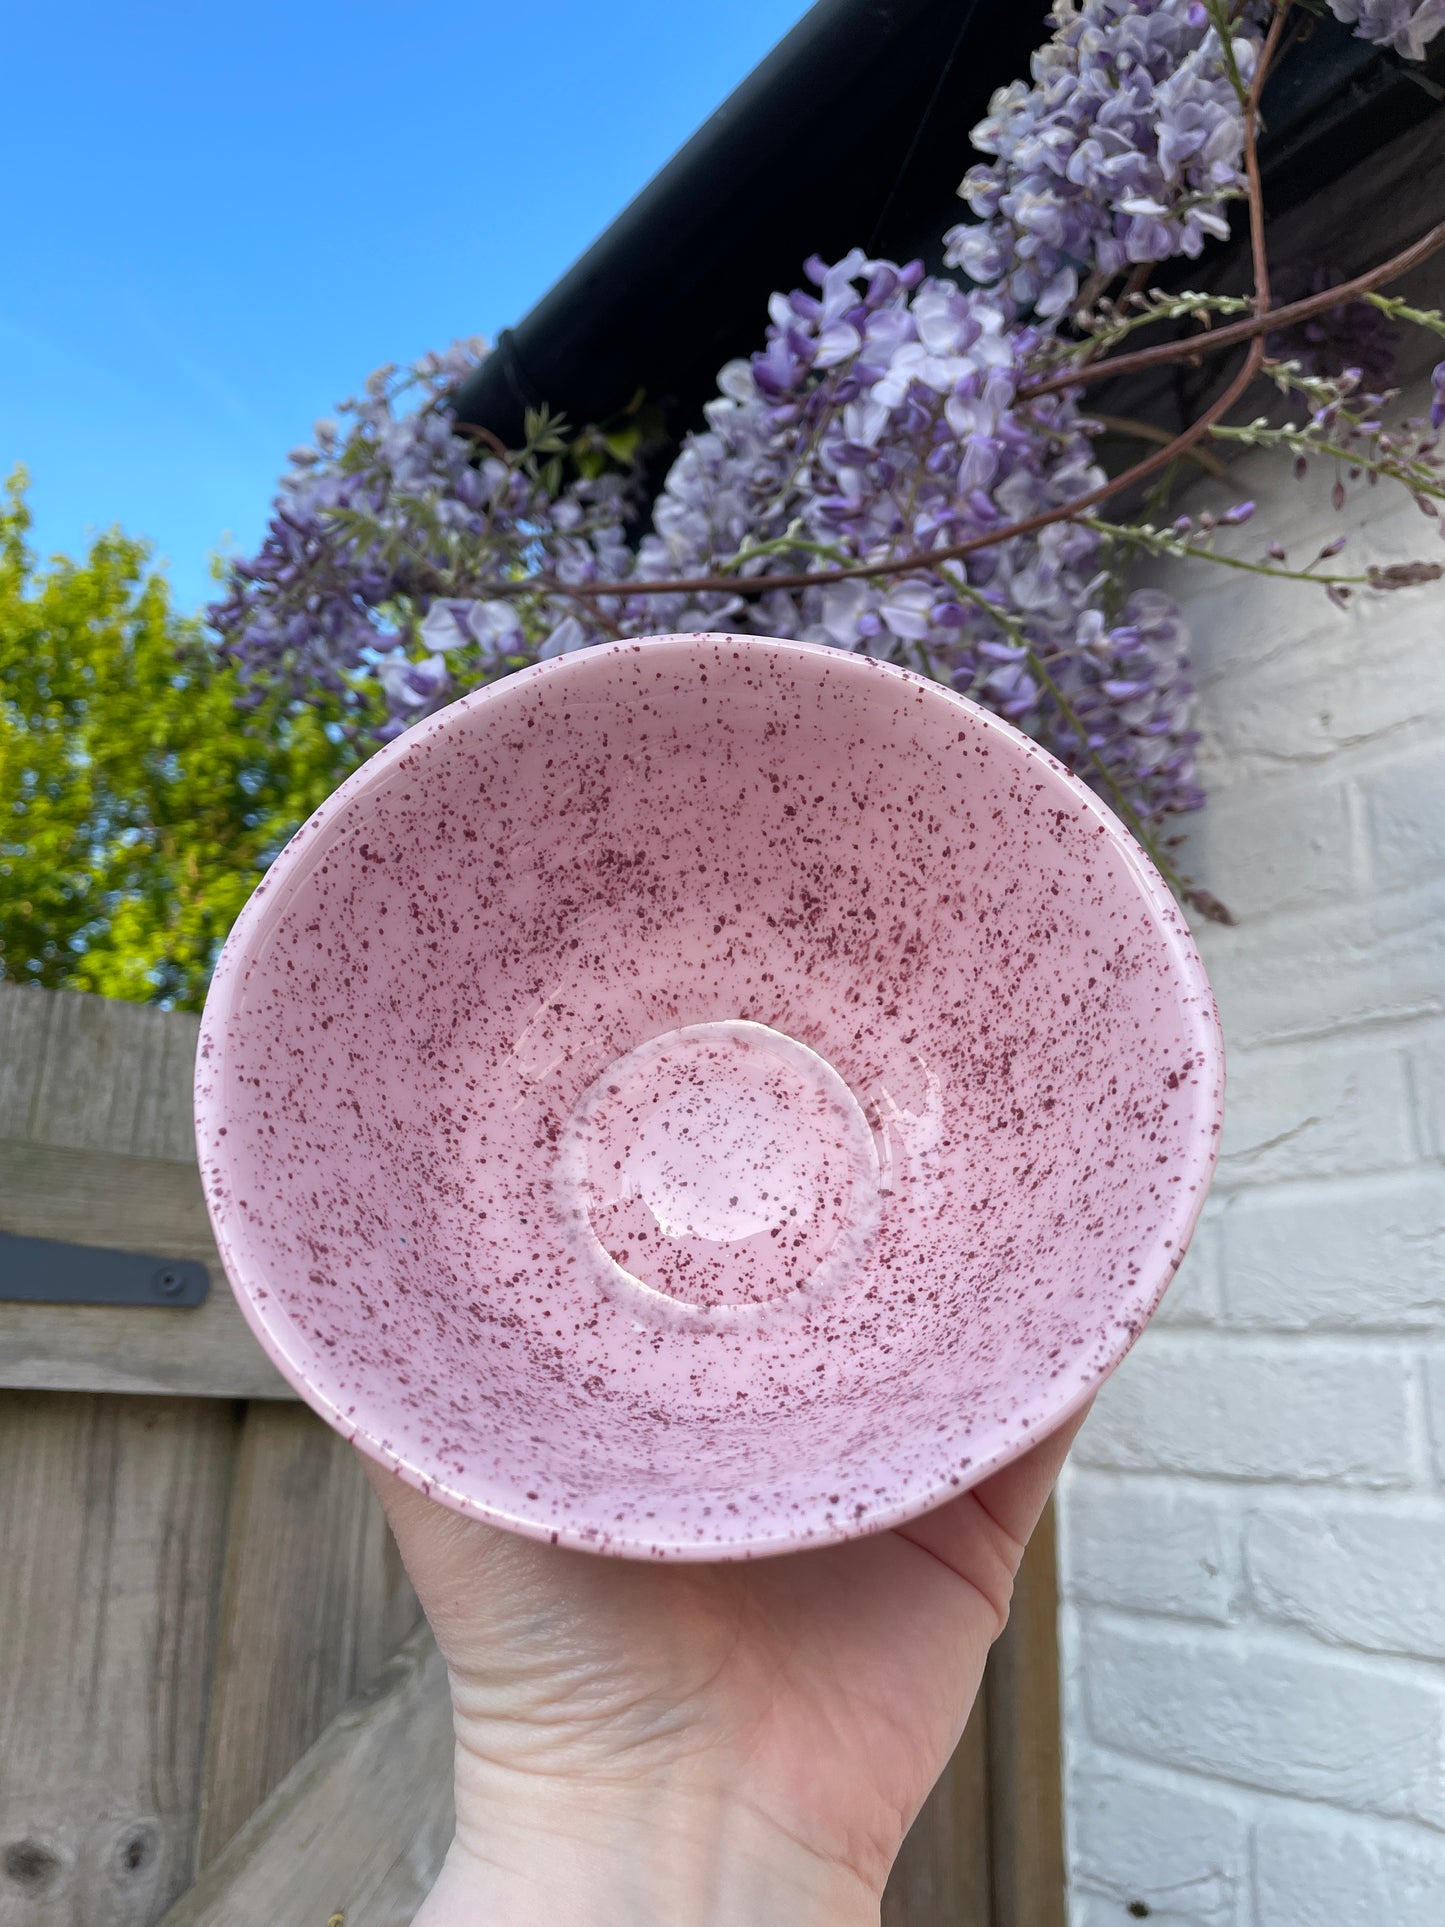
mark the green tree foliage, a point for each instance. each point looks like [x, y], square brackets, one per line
[140, 801]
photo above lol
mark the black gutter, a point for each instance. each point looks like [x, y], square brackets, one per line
[854, 130]
[836, 138]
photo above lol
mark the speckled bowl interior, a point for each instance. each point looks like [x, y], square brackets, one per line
[705, 1096]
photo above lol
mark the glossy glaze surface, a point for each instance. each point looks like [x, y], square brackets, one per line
[706, 1096]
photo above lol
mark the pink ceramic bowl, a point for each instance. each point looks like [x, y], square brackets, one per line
[705, 1096]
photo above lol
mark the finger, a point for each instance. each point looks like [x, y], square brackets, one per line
[400, 1502]
[1016, 1496]
[442, 1550]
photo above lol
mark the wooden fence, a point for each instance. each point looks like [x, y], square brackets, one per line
[219, 1706]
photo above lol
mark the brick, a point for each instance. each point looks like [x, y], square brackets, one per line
[1315, 1113]
[1367, 1255]
[1272, 845]
[1309, 973]
[1231, 615]
[1265, 1712]
[1240, 1407]
[1325, 690]
[1328, 1871]
[1427, 1064]
[1434, 1364]
[1150, 1545]
[1368, 1575]
[1135, 1841]
[1404, 811]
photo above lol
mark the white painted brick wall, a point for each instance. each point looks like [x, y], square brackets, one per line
[1314, 1868]
[1154, 1840]
[1261, 1709]
[1358, 1255]
[1253, 1524]
[1228, 1405]
[1364, 1574]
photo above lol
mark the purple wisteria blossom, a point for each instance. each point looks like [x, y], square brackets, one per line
[1129, 143]
[309, 598]
[1406, 26]
[377, 535]
[1124, 149]
[881, 417]
[1131, 692]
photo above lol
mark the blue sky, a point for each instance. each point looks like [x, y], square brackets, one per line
[223, 218]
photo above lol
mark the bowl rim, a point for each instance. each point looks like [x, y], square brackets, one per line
[267, 905]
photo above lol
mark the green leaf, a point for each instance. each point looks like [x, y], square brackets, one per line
[623, 445]
[139, 804]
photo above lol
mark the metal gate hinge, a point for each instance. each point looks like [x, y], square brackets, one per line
[43, 1271]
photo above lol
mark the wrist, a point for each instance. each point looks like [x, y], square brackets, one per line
[622, 1855]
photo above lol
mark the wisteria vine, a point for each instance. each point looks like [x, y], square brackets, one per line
[905, 467]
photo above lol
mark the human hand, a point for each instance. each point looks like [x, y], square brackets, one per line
[730, 1744]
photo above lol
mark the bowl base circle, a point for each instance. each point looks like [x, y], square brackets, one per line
[716, 1173]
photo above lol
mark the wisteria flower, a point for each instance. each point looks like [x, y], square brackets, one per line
[1406, 26]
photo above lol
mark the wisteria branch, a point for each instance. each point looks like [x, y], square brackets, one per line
[1211, 341]
[1192, 546]
[1420, 481]
[1398, 310]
